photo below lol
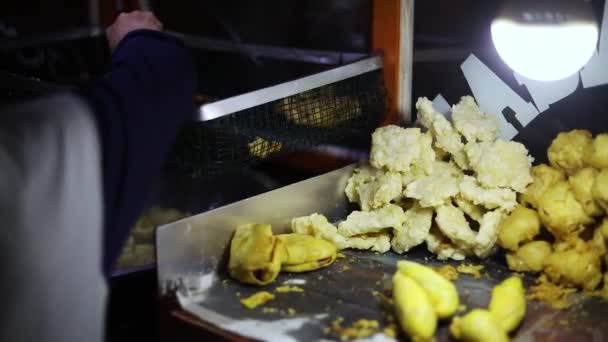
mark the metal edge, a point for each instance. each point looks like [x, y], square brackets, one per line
[237, 103]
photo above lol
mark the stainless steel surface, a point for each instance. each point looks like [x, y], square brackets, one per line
[237, 103]
[195, 245]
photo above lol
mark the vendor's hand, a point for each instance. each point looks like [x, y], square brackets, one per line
[127, 22]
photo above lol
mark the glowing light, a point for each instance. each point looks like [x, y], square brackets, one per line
[544, 52]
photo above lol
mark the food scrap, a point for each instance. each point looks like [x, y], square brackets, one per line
[286, 289]
[470, 269]
[257, 299]
[360, 329]
[550, 293]
[448, 272]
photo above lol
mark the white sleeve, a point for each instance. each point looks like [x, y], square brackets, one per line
[52, 287]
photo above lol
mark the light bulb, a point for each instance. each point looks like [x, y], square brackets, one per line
[544, 46]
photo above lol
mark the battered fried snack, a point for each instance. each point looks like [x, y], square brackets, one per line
[477, 326]
[574, 264]
[508, 303]
[530, 257]
[567, 150]
[414, 310]
[600, 189]
[596, 154]
[543, 176]
[521, 226]
[305, 253]
[255, 255]
[560, 212]
[581, 183]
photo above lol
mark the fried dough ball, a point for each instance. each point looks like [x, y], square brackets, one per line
[568, 149]
[530, 257]
[581, 184]
[600, 189]
[560, 212]
[521, 226]
[596, 154]
[543, 176]
[574, 264]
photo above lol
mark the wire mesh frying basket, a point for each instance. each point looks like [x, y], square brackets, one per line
[324, 108]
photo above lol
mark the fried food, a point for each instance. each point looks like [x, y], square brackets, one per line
[500, 164]
[543, 176]
[414, 229]
[379, 191]
[567, 150]
[600, 189]
[472, 270]
[441, 292]
[477, 326]
[413, 307]
[389, 150]
[550, 293]
[376, 242]
[560, 212]
[475, 212]
[581, 183]
[438, 187]
[446, 137]
[364, 222]
[305, 253]
[530, 257]
[318, 226]
[487, 235]
[596, 154]
[439, 244]
[454, 226]
[502, 198]
[255, 255]
[508, 303]
[576, 265]
[521, 226]
[472, 123]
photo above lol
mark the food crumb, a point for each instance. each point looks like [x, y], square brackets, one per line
[257, 299]
[448, 272]
[552, 294]
[470, 269]
[360, 329]
[286, 288]
[291, 312]
[345, 268]
[269, 310]
[391, 330]
[340, 256]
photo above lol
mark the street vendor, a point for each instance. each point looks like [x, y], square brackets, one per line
[75, 170]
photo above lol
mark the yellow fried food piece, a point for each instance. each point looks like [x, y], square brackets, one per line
[477, 326]
[257, 299]
[502, 198]
[567, 150]
[306, 253]
[508, 303]
[530, 257]
[470, 269]
[448, 272]
[578, 266]
[364, 222]
[375, 242]
[600, 189]
[414, 230]
[255, 254]
[413, 307]
[454, 225]
[521, 226]
[486, 237]
[596, 154]
[396, 149]
[560, 212]
[372, 188]
[444, 134]
[441, 292]
[543, 176]
[472, 123]
[441, 245]
[581, 184]
[598, 242]
[438, 187]
[318, 226]
[500, 164]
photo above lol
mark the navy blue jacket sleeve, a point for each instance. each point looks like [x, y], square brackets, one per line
[139, 106]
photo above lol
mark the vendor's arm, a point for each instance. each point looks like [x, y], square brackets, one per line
[139, 106]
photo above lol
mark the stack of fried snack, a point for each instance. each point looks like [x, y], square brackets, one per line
[459, 173]
[257, 256]
[569, 198]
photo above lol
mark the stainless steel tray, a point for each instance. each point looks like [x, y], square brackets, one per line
[191, 257]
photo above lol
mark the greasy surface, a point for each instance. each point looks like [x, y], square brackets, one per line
[346, 289]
